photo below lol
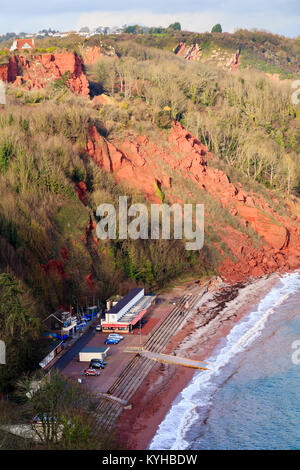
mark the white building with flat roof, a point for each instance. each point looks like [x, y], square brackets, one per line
[128, 311]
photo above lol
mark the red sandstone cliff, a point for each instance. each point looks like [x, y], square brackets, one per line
[188, 52]
[36, 71]
[91, 54]
[9, 71]
[143, 164]
[218, 57]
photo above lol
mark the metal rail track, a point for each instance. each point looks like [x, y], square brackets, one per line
[139, 367]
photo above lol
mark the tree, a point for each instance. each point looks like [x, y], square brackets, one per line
[65, 413]
[9, 415]
[175, 26]
[217, 28]
[134, 29]
[156, 30]
[19, 328]
[16, 319]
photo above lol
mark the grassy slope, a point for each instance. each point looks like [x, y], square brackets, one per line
[63, 121]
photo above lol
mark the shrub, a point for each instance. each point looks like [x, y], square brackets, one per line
[62, 83]
[6, 154]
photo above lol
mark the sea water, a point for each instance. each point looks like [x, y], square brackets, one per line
[250, 397]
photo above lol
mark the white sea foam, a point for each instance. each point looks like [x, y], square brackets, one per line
[194, 402]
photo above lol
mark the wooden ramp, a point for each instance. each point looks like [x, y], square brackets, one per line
[115, 399]
[168, 358]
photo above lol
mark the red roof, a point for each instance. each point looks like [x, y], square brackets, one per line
[138, 317]
[24, 42]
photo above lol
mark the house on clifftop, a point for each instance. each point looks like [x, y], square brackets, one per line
[22, 44]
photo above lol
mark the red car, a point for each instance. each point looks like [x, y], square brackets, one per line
[91, 371]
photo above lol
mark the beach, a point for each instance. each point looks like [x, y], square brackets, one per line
[216, 313]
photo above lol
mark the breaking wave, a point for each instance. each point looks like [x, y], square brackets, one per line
[192, 406]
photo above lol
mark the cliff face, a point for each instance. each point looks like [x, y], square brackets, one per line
[143, 164]
[35, 72]
[219, 57]
[188, 52]
[9, 71]
[91, 54]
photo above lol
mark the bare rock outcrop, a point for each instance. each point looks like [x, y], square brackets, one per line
[35, 72]
[142, 164]
[192, 52]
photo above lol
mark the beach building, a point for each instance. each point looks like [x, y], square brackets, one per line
[126, 313]
[61, 324]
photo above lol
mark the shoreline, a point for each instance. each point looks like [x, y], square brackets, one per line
[218, 311]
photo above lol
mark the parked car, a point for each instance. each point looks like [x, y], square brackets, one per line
[98, 328]
[43, 418]
[112, 341]
[116, 336]
[91, 371]
[99, 360]
[96, 365]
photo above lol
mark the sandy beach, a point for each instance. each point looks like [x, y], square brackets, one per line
[218, 310]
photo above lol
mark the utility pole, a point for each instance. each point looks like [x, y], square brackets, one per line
[140, 333]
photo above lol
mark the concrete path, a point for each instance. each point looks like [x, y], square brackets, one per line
[169, 359]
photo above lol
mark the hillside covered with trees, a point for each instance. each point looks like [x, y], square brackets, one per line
[145, 104]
